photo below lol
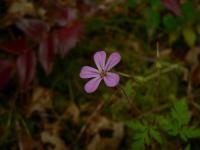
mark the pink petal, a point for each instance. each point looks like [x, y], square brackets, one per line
[88, 72]
[92, 85]
[113, 60]
[46, 53]
[111, 79]
[100, 59]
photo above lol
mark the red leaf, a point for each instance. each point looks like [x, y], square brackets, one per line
[67, 37]
[172, 5]
[15, 47]
[34, 28]
[64, 15]
[6, 69]
[46, 53]
[26, 64]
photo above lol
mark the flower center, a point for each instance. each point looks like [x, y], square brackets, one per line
[102, 74]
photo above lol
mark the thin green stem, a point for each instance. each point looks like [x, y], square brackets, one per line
[137, 111]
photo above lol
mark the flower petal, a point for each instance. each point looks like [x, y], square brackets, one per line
[111, 79]
[88, 72]
[113, 60]
[100, 59]
[92, 85]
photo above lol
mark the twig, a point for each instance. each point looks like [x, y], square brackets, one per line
[196, 105]
[18, 129]
[130, 102]
[158, 109]
[98, 108]
[154, 75]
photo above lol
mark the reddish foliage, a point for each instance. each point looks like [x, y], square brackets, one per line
[6, 69]
[67, 37]
[64, 15]
[15, 47]
[58, 37]
[172, 5]
[34, 28]
[26, 64]
[46, 53]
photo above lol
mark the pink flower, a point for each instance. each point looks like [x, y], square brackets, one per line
[102, 71]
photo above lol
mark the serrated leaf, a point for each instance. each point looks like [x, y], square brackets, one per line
[189, 36]
[180, 113]
[156, 135]
[136, 125]
[168, 126]
[192, 132]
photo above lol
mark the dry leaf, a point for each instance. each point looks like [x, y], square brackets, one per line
[73, 112]
[107, 134]
[21, 8]
[41, 100]
[192, 56]
[54, 140]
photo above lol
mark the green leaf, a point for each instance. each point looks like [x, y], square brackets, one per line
[155, 4]
[156, 135]
[189, 36]
[132, 3]
[198, 28]
[188, 147]
[136, 125]
[129, 88]
[191, 132]
[138, 145]
[170, 23]
[167, 125]
[189, 9]
[180, 113]
[153, 19]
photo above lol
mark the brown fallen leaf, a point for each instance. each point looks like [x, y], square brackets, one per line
[106, 134]
[73, 112]
[193, 60]
[20, 8]
[41, 100]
